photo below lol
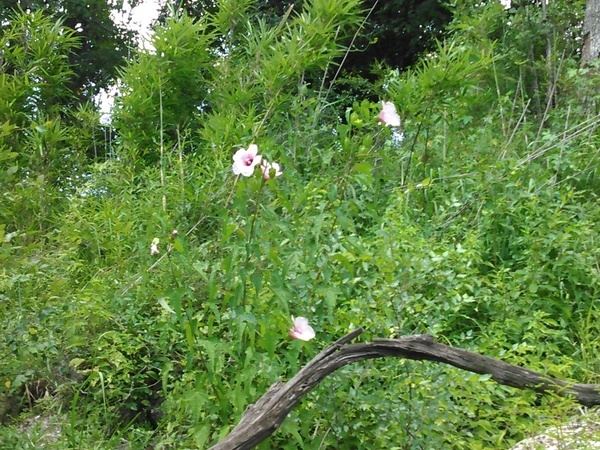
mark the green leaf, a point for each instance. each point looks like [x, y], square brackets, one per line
[163, 302]
[76, 362]
[363, 167]
[256, 278]
[177, 245]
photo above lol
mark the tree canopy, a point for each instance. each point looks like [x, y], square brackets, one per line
[104, 46]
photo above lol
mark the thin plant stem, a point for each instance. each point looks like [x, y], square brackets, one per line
[162, 148]
[550, 95]
[252, 224]
[337, 31]
[504, 150]
[502, 119]
[576, 131]
[181, 169]
[272, 103]
[350, 48]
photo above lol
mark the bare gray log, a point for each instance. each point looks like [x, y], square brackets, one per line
[261, 419]
[591, 32]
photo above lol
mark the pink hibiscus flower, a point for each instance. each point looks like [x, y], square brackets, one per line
[301, 329]
[244, 161]
[388, 114]
[266, 169]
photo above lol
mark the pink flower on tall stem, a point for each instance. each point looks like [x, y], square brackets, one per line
[388, 115]
[267, 167]
[244, 161]
[301, 329]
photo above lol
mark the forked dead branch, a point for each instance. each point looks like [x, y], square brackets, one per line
[261, 419]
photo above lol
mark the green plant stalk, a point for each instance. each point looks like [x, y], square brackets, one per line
[162, 146]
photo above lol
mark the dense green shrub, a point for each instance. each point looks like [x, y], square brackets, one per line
[149, 294]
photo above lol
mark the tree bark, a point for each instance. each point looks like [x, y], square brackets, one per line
[591, 32]
[261, 419]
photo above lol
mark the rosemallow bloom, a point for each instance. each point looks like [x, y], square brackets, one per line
[388, 115]
[154, 246]
[301, 329]
[267, 167]
[244, 161]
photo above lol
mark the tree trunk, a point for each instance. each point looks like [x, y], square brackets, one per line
[591, 32]
[261, 419]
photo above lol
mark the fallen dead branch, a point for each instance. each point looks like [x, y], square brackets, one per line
[261, 419]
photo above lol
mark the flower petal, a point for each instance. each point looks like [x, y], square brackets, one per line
[245, 160]
[267, 167]
[302, 330]
[388, 114]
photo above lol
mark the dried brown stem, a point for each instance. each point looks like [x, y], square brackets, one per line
[261, 419]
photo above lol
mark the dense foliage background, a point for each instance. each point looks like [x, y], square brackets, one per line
[475, 221]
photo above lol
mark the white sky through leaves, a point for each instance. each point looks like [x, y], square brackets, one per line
[142, 17]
